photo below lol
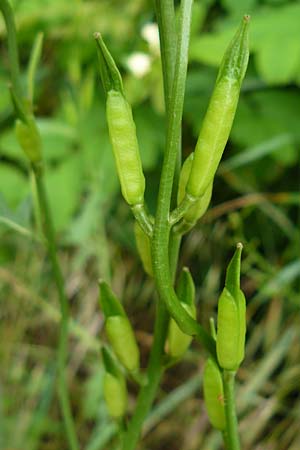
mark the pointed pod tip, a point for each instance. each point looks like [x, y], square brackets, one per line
[97, 35]
[239, 246]
[246, 18]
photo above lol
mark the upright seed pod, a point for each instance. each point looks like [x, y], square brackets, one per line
[198, 209]
[29, 139]
[220, 114]
[118, 329]
[122, 129]
[177, 341]
[231, 317]
[144, 248]
[114, 386]
[214, 395]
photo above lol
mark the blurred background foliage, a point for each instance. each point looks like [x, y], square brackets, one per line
[255, 200]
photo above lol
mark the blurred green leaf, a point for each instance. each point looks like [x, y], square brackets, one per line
[274, 41]
[14, 185]
[64, 184]
[150, 133]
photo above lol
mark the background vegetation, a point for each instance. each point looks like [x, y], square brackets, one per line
[255, 200]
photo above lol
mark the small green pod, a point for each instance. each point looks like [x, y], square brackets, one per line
[123, 342]
[214, 395]
[228, 331]
[29, 139]
[124, 142]
[144, 248]
[115, 395]
[219, 117]
[197, 210]
[242, 320]
[177, 341]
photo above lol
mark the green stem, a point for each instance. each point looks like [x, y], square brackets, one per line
[166, 20]
[154, 373]
[64, 307]
[161, 235]
[12, 46]
[167, 34]
[233, 441]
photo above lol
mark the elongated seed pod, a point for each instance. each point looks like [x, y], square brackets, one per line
[197, 210]
[29, 139]
[115, 395]
[220, 114]
[228, 332]
[144, 248]
[114, 385]
[177, 341]
[124, 142]
[123, 342]
[214, 394]
[118, 328]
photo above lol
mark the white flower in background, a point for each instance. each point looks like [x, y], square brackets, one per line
[151, 36]
[139, 64]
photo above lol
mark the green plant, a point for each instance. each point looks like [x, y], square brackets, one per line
[162, 234]
[165, 231]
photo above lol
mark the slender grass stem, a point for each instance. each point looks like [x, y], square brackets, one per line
[49, 233]
[12, 45]
[63, 393]
[232, 435]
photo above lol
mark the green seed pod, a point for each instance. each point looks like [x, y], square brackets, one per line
[122, 339]
[114, 386]
[232, 317]
[118, 329]
[214, 395]
[228, 332]
[178, 342]
[115, 395]
[197, 210]
[220, 114]
[29, 139]
[144, 248]
[125, 148]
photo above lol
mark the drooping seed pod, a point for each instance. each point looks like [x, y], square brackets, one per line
[219, 117]
[114, 386]
[118, 329]
[144, 248]
[214, 395]
[29, 139]
[197, 210]
[232, 317]
[178, 342]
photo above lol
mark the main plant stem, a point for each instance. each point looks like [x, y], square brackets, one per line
[64, 307]
[232, 433]
[166, 21]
